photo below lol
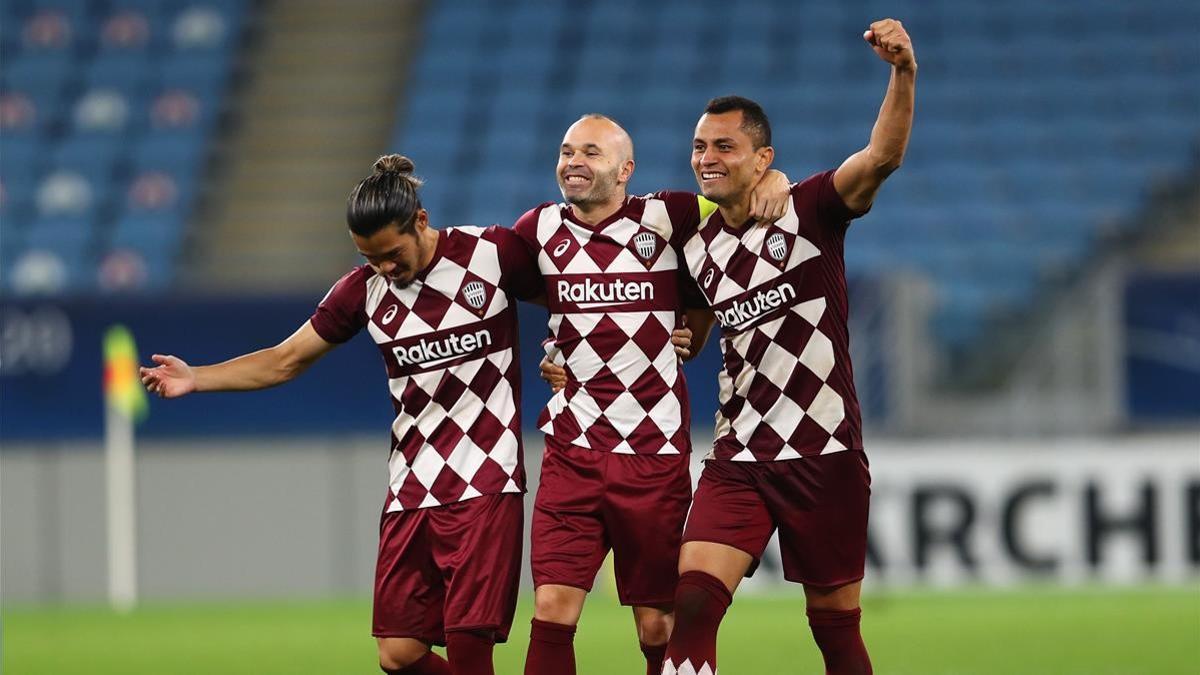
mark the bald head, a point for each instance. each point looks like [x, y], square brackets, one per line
[607, 128]
[595, 163]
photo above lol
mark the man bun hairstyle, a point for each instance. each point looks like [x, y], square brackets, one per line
[754, 120]
[387, 197]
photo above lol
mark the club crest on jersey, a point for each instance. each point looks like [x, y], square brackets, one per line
[475, 294]
[645, 244]
[777, 246]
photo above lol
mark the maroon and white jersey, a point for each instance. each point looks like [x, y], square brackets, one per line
[779, 292]
[449, 343]
[614, 295]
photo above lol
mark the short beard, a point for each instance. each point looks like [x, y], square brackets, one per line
[603, 186]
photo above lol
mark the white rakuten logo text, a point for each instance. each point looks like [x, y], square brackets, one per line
[742, 312]
[613, 291]
[446, 348]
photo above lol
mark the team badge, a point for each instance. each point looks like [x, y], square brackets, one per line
[644, 242]
[475, 294]
[777, 246]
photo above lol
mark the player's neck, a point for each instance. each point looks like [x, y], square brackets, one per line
[428, 246]
[594, 214]
[735, 214]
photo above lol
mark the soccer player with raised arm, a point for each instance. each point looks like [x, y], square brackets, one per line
[440, 304]
[788, 451]
[615, 471]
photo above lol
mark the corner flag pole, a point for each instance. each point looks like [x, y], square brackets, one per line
[124, 403]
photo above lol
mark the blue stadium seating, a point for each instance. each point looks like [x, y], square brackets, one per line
[1030, 144]
[55, 68]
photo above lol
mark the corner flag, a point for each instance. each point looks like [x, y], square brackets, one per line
[123, 389]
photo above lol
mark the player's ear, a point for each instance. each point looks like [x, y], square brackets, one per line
[764, 156]
[626, 171]
[421, 221]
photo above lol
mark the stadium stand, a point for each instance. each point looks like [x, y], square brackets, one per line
[1041, 128]
[106, 111]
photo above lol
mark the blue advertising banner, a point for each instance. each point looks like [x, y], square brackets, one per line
[1162, 347]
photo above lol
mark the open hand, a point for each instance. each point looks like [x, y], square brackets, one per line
[171, 378]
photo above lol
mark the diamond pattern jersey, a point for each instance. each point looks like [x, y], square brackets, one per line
[449, 343]
[779, 293]
[615, 292]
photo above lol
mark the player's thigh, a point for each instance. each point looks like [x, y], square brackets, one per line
[409, 591]
[646, 504]
[729, 525]
[567, 537]
[821, 505]
[478, 551]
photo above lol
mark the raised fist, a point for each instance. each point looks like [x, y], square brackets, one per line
[891, 42]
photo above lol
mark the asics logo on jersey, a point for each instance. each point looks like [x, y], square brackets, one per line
[742, 312]
[561, 248]
[708, 277]
[776, 246]
[448, 347]
[613, 291]
[389, 315]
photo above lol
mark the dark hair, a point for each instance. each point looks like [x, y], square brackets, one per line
[754, 120]
[389, 196]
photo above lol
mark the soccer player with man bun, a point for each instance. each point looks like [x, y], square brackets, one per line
[615, 474]
[788, 451]
[440, 304]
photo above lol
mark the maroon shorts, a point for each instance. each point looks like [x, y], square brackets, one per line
[590, 501]
[448, 568]
[819, 505]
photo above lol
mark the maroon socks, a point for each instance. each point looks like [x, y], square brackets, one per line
[654, 657]
[470, 653]
[837, 634]
[430, 664]
[700, 603]
[551, 649]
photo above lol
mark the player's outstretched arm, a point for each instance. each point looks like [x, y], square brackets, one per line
[859, 177]
[173, 377]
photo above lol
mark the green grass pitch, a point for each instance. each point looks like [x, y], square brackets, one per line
[1058, 632]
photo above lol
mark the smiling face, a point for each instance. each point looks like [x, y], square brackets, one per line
[724, 159]
[395, 254]
[595, 162]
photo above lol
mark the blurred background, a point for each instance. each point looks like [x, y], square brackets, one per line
[1025, 294]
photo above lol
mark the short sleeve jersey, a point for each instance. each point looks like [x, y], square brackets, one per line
[615, 292]
[449, 344]
[779, 293]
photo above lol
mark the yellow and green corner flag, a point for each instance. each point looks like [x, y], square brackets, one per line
[123, 389]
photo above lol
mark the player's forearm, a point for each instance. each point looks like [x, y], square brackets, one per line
[889, 136]
[258, 370]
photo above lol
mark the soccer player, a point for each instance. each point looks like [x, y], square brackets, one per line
[440, 305]
[788, 452]
[615, 471]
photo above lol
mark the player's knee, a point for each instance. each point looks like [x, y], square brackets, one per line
[395, 654]
[557, 605]
[655, 628]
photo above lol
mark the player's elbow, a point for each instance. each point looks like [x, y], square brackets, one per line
[884, 163]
